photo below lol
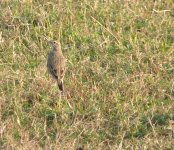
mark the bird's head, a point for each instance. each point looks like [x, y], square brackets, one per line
[54, 44]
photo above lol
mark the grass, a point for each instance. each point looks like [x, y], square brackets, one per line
[120, 76]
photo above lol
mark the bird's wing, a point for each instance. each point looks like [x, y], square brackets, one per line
[53, 71]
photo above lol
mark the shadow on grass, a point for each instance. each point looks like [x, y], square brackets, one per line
[158, 121]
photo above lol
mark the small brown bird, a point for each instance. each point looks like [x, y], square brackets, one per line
[56, 63]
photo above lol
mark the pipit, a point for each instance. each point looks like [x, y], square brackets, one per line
[56, 64]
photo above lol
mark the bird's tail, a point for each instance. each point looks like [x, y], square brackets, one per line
[60, 85]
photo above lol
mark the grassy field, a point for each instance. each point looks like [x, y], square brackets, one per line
[119, 81]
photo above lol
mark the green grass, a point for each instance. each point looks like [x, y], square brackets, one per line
[120, 76]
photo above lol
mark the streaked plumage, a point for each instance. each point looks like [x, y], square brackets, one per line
[56, 64]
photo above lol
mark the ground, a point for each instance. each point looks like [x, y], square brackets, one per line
[119, 80]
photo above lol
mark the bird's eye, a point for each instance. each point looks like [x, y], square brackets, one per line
[54, 42]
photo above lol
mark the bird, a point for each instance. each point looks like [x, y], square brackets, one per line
[56, 63]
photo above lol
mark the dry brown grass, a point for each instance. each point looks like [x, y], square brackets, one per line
[119, 78]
